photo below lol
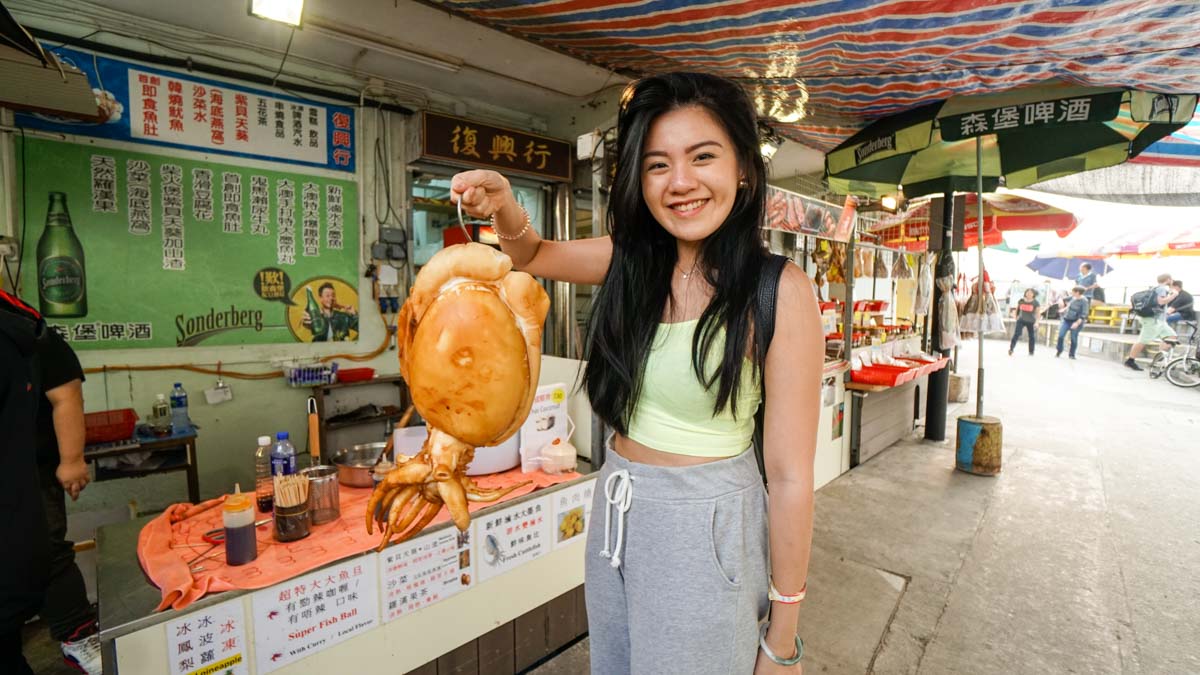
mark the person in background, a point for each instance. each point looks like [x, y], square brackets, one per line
[23, 526]
[1154, 328]
[1087, 280]
[1026, 311]
[1015, 292]
[60, 438]
[1073, 319]
[1180, 307]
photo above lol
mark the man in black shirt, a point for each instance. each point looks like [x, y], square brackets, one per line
[62, 471]
[1180, 308]
[23, 524]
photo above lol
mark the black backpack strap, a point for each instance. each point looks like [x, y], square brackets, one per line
[764, 329]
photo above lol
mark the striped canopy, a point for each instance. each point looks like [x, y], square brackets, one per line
[824, 69]
[1002, 213]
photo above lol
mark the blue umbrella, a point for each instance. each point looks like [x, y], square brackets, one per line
[1067, 268]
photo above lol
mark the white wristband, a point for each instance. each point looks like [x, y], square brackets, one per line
[776, 596]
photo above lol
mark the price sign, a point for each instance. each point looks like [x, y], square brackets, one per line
[572, 508]
[212, 640]
[425, 570]
[511, 537]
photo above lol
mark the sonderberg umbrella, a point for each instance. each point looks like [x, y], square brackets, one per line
[1025, 135]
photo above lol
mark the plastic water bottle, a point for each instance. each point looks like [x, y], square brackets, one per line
[180, 423]
[264, 485]
[283, 456]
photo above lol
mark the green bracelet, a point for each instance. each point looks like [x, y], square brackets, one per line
[762, 644]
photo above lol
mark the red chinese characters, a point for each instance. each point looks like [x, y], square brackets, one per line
[199, 103]
[175, 105]
[341, 139]
[241, 111]
[150, 84]
[216, 113]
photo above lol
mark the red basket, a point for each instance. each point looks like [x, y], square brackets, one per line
[109, 426]
[355, 374]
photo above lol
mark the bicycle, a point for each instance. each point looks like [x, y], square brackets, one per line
[1181, 369]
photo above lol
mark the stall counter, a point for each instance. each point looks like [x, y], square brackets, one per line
[135, 640]
[833, 435]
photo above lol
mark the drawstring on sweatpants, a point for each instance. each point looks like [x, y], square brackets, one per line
[618, 492]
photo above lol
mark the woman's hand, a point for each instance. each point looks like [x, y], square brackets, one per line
[481, 192]
[765, 666]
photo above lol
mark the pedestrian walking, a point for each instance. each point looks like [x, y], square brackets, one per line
[679, 573]
[1026, 312]
[1150, 315]
[1073, 318]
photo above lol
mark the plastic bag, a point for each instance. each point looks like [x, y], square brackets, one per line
[882, 264]
[924, 291]
[901, 268]
[949, 313]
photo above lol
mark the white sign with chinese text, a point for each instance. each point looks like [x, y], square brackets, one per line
[547, 421]
[572, 508]
[312, 612]
[425, 570]
[513, 536]
[209, 641]
[170, 109]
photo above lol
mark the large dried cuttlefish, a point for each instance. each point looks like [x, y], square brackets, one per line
[470, 338]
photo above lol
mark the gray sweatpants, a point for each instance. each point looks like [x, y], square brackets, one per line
[691, 585]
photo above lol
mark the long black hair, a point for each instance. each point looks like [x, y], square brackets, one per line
[628, 306]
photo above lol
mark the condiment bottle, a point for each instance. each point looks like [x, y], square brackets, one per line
[241, 546]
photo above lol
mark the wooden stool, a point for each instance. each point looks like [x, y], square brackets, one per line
[979, 445]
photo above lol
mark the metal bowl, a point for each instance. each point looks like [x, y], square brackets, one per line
[354, 464]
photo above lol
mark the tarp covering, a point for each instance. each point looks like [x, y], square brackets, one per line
[838, 64]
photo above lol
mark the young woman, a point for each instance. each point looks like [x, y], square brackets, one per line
[1026, 312]
[681, 557]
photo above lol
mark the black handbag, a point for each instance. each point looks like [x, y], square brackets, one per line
[764, 330]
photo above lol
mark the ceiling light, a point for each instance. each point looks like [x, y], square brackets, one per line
[889, 203]
[283, 11]
[768, 148]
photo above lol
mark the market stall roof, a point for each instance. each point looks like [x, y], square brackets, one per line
[826, 68]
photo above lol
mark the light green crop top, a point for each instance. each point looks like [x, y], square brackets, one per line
[675, 412]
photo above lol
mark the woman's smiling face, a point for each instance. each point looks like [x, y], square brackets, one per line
[690, 173]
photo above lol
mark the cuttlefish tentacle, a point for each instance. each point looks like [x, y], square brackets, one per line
[478, 494]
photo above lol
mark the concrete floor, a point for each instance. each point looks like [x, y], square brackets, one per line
[1081, 557]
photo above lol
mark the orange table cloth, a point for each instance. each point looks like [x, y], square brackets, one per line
[171, 543]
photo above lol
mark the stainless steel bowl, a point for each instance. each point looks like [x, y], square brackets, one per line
[354, 464]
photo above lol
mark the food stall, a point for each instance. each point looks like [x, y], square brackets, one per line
[499, 592]
[875, 370]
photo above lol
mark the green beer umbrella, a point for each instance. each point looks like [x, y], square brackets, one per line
[1027, 135]
[1023, 136]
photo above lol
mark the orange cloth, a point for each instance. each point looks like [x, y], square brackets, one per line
[167, 544]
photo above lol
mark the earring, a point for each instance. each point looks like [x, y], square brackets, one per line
[742, 183]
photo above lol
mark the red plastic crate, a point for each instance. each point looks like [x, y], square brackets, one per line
[889, 376]
[355, 374]
[109, 425]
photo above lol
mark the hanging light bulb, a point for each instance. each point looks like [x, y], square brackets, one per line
[283, 11]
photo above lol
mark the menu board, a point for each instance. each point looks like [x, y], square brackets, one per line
[572, 509]
[209, 642]
[511, 537]
[314, 611]
[428, 569]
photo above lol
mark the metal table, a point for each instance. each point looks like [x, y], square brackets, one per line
[181, 448]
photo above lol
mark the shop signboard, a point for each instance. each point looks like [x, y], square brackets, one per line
[314, 611]
[151, 105]
[798, 214]
[425, 570]
[128, 248]
[470, 143]
[572, 509]
[513, 536]
[210, 641]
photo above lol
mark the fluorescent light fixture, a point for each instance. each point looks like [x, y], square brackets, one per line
[283, 11]
[768, 148]
[889, 203]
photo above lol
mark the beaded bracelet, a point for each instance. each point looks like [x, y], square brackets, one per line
[517, 235]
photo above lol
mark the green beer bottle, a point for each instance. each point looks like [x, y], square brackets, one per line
[62, 282]
[320, 324]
